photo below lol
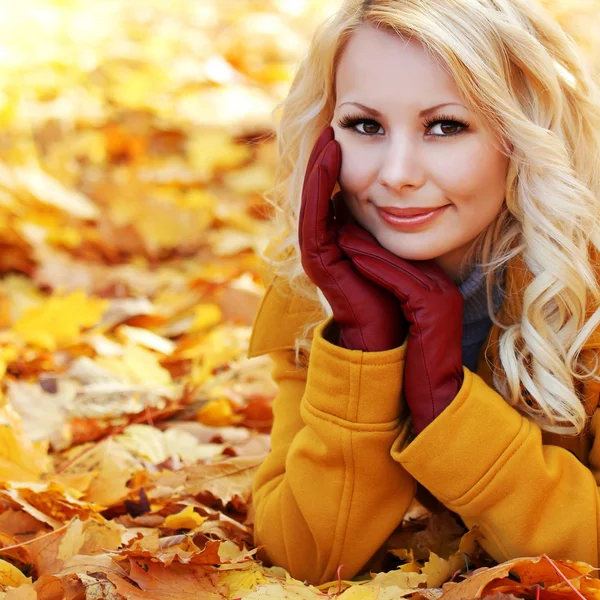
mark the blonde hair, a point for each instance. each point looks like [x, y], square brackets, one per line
[522, 73]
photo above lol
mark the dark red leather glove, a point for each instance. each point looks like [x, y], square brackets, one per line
[433, 307]
[369, 317]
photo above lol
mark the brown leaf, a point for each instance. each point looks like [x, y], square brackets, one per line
[110, 467]
[49, 553]
[530, 570]
[225, 480]
[49, 587]
[441, 534]
[179, 548]
[176, 582]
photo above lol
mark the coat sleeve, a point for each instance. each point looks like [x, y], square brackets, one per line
[486, 462]
[329, 492]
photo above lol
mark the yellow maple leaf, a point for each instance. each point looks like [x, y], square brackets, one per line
[110, 465]
[437, 569]
[206, 316]
[11, 576]
[255, 178]
[244, 580]
[58, 321]
[161, 220]
[218, 413]
[137, 364]
[186, 519]
[20, 458]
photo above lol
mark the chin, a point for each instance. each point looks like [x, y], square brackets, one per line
[412, 253]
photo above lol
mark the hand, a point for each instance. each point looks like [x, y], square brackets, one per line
[433, 307]
[369, 317]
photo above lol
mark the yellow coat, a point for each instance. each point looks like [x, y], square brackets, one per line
[343, 466]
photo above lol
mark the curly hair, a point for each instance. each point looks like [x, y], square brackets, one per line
[522, 74]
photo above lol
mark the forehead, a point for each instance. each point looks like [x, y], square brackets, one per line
[380, 65]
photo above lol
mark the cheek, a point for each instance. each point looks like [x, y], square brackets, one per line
[478, 173]
[358, 163]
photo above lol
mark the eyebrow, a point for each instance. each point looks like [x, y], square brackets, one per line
[423, 113]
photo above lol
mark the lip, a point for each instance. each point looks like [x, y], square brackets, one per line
[410, 222]
[408, 212]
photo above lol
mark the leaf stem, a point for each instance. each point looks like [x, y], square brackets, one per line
[562, 575]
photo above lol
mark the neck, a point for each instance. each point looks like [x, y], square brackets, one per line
[452, 264]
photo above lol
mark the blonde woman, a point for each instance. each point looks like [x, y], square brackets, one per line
[432, 304]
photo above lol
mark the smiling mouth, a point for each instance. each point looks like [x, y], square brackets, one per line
[414, 211]
[408, 223]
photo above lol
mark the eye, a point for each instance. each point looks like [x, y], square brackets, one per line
[445, 122]
[444, 125]
[448, 125]
[370, 127]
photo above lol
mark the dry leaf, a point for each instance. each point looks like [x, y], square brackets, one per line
[11, 576]
[158, 582]
[20, 458]
[186, 519]
[530, 570]
[59, 320]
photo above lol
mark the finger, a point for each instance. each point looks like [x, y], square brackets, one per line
[435, 272]
[382, 266]
[318, 210]
[324, 138]
[316, 157]
[355, 230]
[428, 267]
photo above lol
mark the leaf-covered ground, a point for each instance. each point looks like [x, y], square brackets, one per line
[135, 146]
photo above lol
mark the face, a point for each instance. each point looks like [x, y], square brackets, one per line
[395, 157]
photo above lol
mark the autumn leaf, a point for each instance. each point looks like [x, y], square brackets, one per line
[186, 519]
[20, 459]
[137, 364]
[531, 571]
[217, 412]
[59, 321]
[100, 472]
[11, 576]
[158, 582]
[225, 480]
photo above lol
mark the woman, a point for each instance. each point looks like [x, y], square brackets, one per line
[435, 325]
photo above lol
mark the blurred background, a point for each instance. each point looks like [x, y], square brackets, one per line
[136, 142]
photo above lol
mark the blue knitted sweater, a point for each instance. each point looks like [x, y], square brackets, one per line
[476, 321]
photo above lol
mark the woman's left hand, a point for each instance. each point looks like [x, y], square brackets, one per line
[433, 307]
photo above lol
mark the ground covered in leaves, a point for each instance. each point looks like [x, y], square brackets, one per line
[135, 146]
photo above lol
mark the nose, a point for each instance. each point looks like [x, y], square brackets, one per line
[401, 164]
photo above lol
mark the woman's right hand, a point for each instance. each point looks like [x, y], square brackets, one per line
[369, 317]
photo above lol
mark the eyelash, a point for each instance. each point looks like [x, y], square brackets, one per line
[350, 121]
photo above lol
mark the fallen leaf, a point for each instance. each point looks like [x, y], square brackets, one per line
[158, 582]
[58, 321]
[11, 576]
[530, 570]
[20, 459]
[186, 519]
